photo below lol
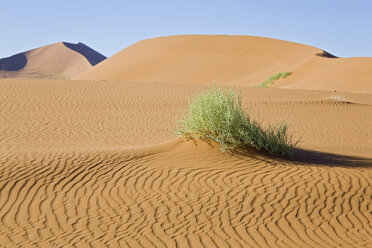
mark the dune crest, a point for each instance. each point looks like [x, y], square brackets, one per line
[59, 60]
[233, 60]
[202, 59]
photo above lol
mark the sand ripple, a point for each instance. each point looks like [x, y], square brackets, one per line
[74, 173]
[172, 197]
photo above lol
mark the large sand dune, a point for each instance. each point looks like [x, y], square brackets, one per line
[59, 60]
[233, 60]
[96, 164]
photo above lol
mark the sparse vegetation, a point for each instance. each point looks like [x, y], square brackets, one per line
[218, 115]
[273, 78]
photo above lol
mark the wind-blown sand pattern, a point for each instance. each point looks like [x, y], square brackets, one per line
[96, 164]
[177, 195]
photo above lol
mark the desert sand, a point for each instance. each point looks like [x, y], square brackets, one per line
[233, 60]
[97, 164]
[61, 60]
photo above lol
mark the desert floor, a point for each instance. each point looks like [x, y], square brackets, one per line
[97, 164]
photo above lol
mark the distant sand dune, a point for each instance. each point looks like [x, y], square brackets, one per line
[96, 164]
[59, 60]
[233, 60]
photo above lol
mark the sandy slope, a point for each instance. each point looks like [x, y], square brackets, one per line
[234, 60]
[81, 165]
[59, 60]
[244, 60]
[343, 74]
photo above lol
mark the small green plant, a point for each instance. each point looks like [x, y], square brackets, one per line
[218, 115]
[273, 78]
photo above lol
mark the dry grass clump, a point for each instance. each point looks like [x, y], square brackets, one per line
[218, 115]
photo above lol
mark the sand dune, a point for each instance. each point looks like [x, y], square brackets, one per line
[233, 60]
[240, 60]
[81, 165]
[59, 60]
[343, 74]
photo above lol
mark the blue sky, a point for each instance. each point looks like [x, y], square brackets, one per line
[341, 27]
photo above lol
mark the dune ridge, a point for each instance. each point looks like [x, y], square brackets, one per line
[96, 164]
[233, 60]
[201, 59]
[59, 60]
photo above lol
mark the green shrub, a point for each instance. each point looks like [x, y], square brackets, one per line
[217, 115]
[273, 78]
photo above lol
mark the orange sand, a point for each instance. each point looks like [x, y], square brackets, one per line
[233, 60]
[96, 164]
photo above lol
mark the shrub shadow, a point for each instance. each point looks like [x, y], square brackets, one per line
[300, 157]
[329, 159]
[308, 157]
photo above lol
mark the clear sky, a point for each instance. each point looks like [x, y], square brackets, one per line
[341, 27]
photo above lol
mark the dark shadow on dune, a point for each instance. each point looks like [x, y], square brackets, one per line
[329, 159]
[91, 55]
[300, 157]
[13, 63]
[309, 157]
[326, 55]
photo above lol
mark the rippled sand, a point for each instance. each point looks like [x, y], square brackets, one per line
[96, 164]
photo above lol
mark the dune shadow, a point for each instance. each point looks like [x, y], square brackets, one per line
[13, 63]
[91, 55]
[326, 55]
